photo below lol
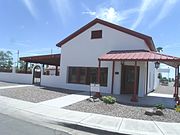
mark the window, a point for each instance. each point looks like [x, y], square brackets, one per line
[96, 34]
[72, 74]
[87, 75]
[92, 75]
[82, 75]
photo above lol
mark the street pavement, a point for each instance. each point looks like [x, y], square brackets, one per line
[88, 123]
[13, 126]
[25, 118]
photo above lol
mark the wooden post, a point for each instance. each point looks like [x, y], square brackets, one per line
[26, 67]
[112, 85]
[56, 70]
[43, 69]
[134, 96]
[99, 78]
[147, 70]
[177, 85]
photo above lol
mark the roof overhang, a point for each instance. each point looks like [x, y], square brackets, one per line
[52, 59]
[140, 55]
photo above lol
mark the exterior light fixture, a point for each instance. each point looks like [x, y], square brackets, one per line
[157, 64]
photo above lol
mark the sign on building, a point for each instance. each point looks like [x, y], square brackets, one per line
[94, 87]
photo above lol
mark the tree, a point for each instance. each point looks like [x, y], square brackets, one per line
[159, 49]
[160, 76]
[170, 80]
[6, 60]
[22, 65]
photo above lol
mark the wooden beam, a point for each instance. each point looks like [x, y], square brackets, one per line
[99, 72]
[134, 97]
[56, 70]
[99, 78]
[147, 68]
[178, 81]
[26, 67]
[112, 84]
[175, 83]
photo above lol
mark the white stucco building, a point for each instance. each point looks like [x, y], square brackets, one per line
[122, 61]
[81, 50]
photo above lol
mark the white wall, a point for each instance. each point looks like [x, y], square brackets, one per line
[16, 78]
[84, 51]
[152, 77]
[50, 81]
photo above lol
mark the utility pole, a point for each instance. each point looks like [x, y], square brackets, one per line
[17, 58]
[51, 51]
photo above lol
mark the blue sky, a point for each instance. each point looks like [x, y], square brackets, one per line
[34, 26]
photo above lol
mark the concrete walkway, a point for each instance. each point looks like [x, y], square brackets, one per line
[65, 100]
[52, 115]
[15, 86]
[160, 95]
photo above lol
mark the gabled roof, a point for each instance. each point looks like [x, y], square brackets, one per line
[148, 40]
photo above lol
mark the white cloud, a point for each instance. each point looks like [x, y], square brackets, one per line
[110, 14]
[164, 12]
[62, 7]
[31, 8]
[145, 6]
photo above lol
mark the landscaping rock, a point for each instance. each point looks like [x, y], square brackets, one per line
[159, 112]
[96, 100]
[90, 99]
[149, 112]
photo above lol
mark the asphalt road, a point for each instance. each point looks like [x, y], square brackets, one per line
[12, 126]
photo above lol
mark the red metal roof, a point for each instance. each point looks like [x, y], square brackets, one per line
[137, 55]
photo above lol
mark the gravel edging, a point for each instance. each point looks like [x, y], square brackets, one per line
[35, 94]
[124, 111]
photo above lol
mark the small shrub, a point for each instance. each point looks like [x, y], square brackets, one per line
[178, 108]
[109, 99]
[160, 106]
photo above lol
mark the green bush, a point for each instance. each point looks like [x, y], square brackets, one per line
[109, 99]
[178, 108]
[160, 106]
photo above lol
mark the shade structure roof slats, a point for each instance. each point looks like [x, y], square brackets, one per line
[52, 59]
[140, 55]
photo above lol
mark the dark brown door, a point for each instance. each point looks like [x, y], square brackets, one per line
[127, 79]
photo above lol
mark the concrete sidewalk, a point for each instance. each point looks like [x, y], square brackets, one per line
[49, 115]
[66, 100]
[14, 86]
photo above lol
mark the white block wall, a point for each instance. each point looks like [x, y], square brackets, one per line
[16, 77]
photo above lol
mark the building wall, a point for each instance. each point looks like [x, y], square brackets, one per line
[50, 81]
[84, 51]
[152, 77]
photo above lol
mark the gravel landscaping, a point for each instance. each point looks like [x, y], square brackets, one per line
[125, 111]
[35, 93]
[4, 84]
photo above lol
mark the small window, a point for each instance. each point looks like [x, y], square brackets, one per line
[96, 34]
